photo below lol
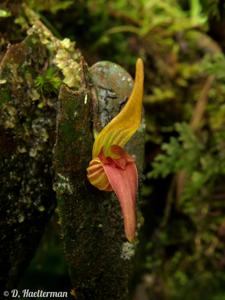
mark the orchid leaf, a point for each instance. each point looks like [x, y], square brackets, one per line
[124, 125]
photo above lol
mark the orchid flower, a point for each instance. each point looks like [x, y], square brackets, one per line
[111, 167]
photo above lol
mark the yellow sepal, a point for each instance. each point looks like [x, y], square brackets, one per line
[123, 126]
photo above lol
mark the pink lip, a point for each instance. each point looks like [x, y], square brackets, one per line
[123, 178]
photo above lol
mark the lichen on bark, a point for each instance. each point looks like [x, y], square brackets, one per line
[100, 258]
[27, 131]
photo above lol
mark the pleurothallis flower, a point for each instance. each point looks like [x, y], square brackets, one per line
[111, 167]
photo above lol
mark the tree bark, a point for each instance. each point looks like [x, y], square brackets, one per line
[100, 258]
[27, 135]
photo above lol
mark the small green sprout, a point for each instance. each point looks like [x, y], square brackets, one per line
[48, 82]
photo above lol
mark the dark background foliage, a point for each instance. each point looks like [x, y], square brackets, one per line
[182, 252]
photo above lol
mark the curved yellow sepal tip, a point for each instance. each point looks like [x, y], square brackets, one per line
[124, 125]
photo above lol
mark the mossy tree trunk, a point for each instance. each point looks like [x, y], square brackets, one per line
[99, 257]
[27, 136]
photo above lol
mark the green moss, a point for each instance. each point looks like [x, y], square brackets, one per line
[5, 95]
[4, 13]
[68, 132]
[48, 82]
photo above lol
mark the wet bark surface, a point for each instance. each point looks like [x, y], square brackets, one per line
[27, 135]
[46, 138]
[100, 258]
